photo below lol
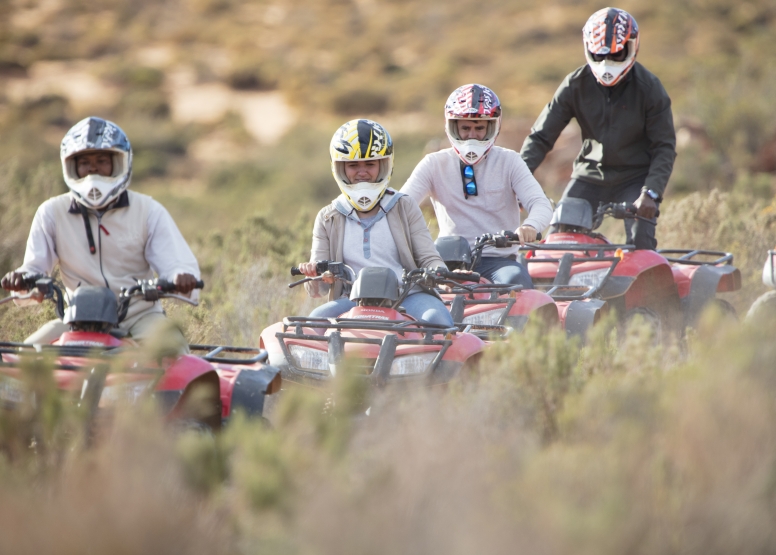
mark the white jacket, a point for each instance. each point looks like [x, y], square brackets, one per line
[135, 238]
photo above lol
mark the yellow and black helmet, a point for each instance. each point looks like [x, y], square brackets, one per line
[362, 139]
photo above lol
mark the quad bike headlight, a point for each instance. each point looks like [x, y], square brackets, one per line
[409, 365]
[487, 318]
[310, 359]
[126, 393]
[593, 278]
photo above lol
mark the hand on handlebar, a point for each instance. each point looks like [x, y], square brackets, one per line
[14, 281]
[184, 283]
[311, 269]
[645, 206]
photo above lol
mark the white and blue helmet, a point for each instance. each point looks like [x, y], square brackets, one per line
[89, 135]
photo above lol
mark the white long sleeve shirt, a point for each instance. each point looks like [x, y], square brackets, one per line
[503, 182]
[166, 250]
[132, 241]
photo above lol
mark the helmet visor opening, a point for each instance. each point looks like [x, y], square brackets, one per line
[118, 162]
[490, 132]
[384, 172]
[620, 56]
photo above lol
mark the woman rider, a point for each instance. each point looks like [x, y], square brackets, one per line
[369, 224]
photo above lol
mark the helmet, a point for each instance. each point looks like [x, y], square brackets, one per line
[89, 135]
[769, 270]
[362, 139]
[606, 34]
[472, 102]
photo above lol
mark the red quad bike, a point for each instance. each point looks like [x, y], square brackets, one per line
[666, 287]
[483, 307]
[234, 377]
[390, 346]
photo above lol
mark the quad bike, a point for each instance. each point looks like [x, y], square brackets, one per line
[665, 287]
[376, 336]
[200, 391]
[764, 308]
[482, 305]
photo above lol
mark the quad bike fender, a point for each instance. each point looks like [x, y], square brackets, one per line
[653, 287]
[464, 346]
[705, 283]
[533, 304]
[528, 300]
[684, 275]
[184, 370]
[250, 388]
[580, 316]
[637, 262]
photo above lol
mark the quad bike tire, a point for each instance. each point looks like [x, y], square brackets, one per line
[727, 309]
[763, 308]
[649, 316]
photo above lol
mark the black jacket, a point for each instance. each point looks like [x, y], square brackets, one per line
[627, 130]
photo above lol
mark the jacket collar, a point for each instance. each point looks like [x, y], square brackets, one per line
[121, 202]
[341, 204]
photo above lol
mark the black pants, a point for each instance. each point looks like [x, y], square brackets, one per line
[637, 232]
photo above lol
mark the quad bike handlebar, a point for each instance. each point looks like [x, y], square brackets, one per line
[340, 270]
[152, 290]
[619, 211]
[40, 287]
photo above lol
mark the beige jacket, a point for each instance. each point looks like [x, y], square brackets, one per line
[408, 228]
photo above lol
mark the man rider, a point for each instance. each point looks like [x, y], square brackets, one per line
[624, 113]
[477, 188]
[102, 234]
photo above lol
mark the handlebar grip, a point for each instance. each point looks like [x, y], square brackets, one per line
[512, 236]
[30, 280]
[321, 267]
[166, 286]
[458, 276]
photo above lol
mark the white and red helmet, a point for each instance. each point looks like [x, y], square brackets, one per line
[475, 102]
[611, 38]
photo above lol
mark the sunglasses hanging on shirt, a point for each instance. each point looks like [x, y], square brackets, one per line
[469, 184]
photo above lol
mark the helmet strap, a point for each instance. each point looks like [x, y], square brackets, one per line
[88, 226]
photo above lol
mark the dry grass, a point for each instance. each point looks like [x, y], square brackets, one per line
[618, 447]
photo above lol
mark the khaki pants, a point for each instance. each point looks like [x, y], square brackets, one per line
[146, 327]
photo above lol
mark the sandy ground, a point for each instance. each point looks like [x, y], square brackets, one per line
[266, 115]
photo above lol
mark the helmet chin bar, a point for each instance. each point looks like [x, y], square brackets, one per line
[364, 196]
[607, 72]
[96, 191]
[472, 151]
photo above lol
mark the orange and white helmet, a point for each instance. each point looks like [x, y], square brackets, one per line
[611, 38]
[472, 102]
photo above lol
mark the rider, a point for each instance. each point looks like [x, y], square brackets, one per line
[624, 113]
[369, 224]
[477, 188]
[102, 234]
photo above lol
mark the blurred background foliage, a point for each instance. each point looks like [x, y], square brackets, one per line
[229, 105]
[612, 447]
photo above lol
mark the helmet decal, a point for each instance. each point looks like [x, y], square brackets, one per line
[610, 31]
[472, 101]
[90, 134]
[362, 139]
